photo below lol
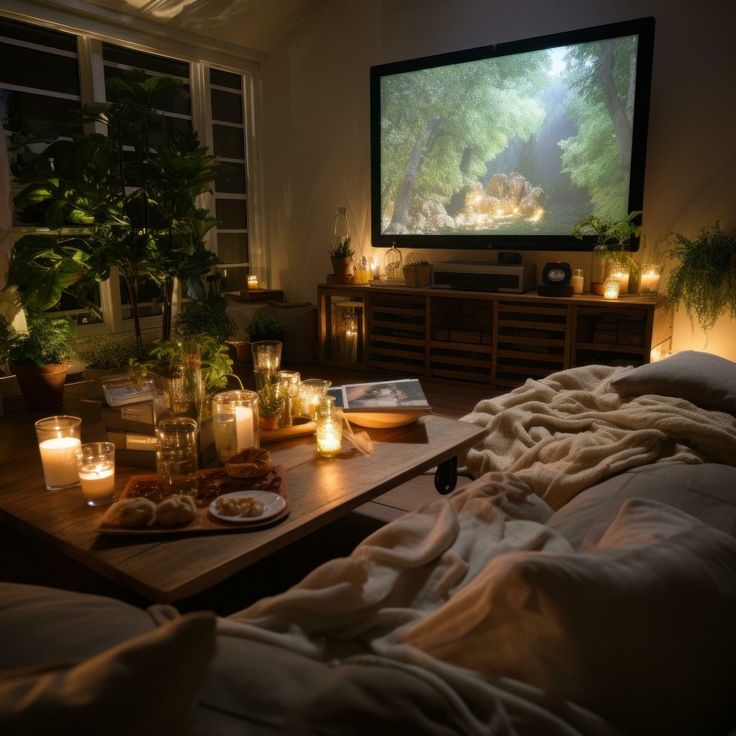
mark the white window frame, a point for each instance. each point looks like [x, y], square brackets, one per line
[92, 25]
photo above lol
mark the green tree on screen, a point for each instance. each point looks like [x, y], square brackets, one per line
[440, 126]
[602, 76]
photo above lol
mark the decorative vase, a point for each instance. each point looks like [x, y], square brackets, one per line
[42, 386]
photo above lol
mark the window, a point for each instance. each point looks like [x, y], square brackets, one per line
[40, 72]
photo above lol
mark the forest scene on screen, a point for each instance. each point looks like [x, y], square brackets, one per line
[520, 144]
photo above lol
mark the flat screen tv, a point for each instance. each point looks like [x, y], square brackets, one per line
[508, 146]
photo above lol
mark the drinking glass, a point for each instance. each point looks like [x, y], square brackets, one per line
[96, 468]
[176, 456]
[289, 382]
[267, 355]
[58, 439]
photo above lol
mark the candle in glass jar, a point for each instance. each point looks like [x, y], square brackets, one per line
[649, 279]
[59, 462]
[252, 281]
[611, 289]
[244, 427]
[577, 281]
[622, 276]
[98, 482]
[329, 441]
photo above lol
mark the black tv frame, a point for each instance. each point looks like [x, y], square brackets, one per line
[643, 27]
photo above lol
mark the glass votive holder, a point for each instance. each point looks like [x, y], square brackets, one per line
[311, 393]
[611, 289]
[289, 382]
[328, 434]
[59, 437]
[235, 422]
[252, 281]
[577, 281]
[618, 271]
[649, 279]
[96, 468]
[266, 355]
[176, 456]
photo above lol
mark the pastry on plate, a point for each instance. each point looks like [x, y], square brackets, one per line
[132, 513]
[175, 510]
[252, 463]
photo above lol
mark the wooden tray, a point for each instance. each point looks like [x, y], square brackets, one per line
[301, 427]
[203, 522]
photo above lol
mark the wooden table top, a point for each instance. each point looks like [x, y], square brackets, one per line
[168, 569]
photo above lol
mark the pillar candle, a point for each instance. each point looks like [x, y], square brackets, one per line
[97, 481]
[58, 460]
[244, 427]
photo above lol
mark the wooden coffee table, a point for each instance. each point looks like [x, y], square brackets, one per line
[167, 569]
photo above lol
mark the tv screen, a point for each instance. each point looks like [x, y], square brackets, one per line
[508, 146]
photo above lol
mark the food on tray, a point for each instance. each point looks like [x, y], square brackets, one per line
[238, 506]
[134, 513]
[251, 463]
[175, 510]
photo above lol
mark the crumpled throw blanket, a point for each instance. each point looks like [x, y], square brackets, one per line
[566, 432]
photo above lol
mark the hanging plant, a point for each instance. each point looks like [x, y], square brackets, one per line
[704, 280]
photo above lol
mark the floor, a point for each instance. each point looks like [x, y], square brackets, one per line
[279, 571]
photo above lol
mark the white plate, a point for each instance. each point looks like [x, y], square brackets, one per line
[273, 504]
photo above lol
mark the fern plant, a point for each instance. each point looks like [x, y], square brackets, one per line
[704, 280]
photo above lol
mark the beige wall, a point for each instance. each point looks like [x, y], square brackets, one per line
[316, 132]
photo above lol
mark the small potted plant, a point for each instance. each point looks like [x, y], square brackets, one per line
[341, 255]
[612, 238]
[269, 406]
[264, 326]
[107, 355]
[704, 280]
[39, 358]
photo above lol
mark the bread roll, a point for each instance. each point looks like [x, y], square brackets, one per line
[132, 513]
[175, 510]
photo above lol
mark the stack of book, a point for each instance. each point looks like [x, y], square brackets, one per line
[131, 428]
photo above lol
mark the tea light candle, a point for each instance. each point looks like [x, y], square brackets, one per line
[622, 276]
[252, 281]
[611, 289]
[98, 482]
[649, 279]
[59, 462]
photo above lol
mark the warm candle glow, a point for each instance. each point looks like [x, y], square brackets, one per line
[59, 463]
[622, 276]
[649, 279]
[329, 439]
[98, 482]
[611, 289]
[577, 281]
[244, 427]
[252, 281]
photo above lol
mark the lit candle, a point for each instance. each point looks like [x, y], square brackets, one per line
[244, 427]
[577, 281]
[98, 483]
[252, 281]
[622, 276]
[649, 280]
[329, 439]
[611, 289]
[58, 461]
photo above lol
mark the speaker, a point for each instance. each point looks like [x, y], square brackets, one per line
[509, 259]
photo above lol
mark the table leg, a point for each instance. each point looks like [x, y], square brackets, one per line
[445, 477]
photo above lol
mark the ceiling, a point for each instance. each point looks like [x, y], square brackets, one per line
[253, 24]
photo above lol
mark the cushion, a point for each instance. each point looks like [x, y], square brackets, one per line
[145, 685]
[702, 379]
[705, 491]
[640, 631]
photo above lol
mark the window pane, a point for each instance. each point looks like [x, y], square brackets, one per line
[236, 279]
[227, 106]
[225, 79]
[232, 247]
[19, 110]
[167, 103]
[228, 141]
[38, 69]
[232, 214]
[140, 60]
[37, 34]
[230, 178]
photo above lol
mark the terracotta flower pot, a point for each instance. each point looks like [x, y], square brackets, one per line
[42, 386]
[341, 266]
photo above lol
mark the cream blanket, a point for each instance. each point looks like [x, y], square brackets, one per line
[570, 430]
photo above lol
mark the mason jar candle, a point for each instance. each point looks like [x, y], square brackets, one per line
[329, 428]
[611, 289]
[235, 422]
[96, 468]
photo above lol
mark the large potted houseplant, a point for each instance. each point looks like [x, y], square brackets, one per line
[704, 277]
[612, 240]
[39, 358]
[124, 199]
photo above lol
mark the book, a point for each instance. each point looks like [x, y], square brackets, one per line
[133, 441]
[120, 393]
[404, 395]
[138, 417]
